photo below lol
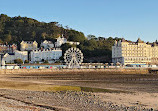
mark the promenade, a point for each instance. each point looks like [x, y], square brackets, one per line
[76, 71]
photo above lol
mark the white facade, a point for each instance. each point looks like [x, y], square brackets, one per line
[23, 55]
[9, 58]
[60, 41]
[47, 44]
[73, 43]
[46, 54]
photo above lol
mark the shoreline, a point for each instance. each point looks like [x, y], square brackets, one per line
[76, 71]
[68, 100]
[100, 89]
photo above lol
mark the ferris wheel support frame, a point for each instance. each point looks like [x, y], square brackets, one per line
[73, 57]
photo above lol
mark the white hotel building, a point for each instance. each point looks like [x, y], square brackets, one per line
[45, 54]
[135, 53]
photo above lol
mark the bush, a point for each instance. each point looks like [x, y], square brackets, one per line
[61, 58]
[26, 61]
[57, 61]
[46, 61]
[18, 61]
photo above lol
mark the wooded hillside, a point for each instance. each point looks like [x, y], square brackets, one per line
[16, 29]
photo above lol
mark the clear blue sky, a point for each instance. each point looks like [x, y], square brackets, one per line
[117, 18]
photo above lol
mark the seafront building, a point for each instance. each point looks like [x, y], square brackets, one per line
[135, 53]
[7, 48]
[73, 43]
[10, 57]
[30, 51]
[28, 45]
[46, 54]
[62, 40]
[47, 44]
[59, 41]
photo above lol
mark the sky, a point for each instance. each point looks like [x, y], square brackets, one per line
[129, 19]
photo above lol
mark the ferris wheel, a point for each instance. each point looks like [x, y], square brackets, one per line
[73, 57]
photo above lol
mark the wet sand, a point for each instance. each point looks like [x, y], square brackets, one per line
[141, 91]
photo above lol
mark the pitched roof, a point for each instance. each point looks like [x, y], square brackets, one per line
[139, 41]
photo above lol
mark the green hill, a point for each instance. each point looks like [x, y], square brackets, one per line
[16, 29]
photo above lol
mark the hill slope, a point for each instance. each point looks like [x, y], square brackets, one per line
[16, 29]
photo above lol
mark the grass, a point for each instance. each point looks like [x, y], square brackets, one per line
[88, 89]
[45, 87]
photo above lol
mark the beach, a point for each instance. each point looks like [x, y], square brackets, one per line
[88, 91]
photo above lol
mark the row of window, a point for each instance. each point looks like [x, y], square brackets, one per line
[137, 59]
[54, 54]
[133, 45]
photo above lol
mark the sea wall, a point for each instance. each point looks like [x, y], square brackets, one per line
[75, 71]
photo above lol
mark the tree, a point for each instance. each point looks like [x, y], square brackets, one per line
[7, 38]
[61, 58]
[75, 36]
[110, 38]
[46, 61]
[65, 46]
[16, 29]
[91, 37]
[43, 35]
[26, 61]
[57, 61]
[1, 41]
[18, 61]
[33, 35]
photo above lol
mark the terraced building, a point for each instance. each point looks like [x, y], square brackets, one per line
[135, 53]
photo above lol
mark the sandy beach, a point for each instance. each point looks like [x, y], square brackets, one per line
[74, 92]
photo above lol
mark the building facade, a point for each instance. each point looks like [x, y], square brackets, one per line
[7, 48]
[60, 41]
[136, 53]
[23, 55]
[10, 57]
[28, 45]
[73, 43]
[46, 54]
[47, 44]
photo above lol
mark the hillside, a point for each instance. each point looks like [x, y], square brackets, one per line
[16, 29]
